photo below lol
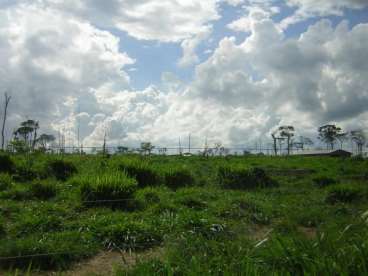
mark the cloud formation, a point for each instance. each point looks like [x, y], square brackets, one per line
[65, 71]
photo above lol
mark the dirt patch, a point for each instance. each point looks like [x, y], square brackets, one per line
[309, 232]
[105, 263]
[259, 232]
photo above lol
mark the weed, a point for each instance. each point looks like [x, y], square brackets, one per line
[342, 193]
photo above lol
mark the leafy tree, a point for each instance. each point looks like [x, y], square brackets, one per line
[23, 133]
[328, 134]
[122, 150]
[147, 147]
[359, 138]
[45, 139]
[28, 132]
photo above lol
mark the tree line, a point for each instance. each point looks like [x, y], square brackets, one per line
[329, 134]
[25, 138]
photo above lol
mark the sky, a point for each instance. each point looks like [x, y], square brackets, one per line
[156, 70]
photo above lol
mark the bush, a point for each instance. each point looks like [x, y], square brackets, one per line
[6, 164]
[144, 174]
[43, 190]
[5, 182]
[239, 178]
[342, 193]
[177, 178]
[324, 181]
[61, 169]
[110, 189]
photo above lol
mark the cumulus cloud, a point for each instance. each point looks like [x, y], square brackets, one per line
[162, 20]
[312, 8]
[189, 47]
[68, 73]
[48, 60]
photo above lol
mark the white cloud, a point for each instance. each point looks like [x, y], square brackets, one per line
[49, 59]
[189, 48]
[162, 20]
[63, 70]
[312, 8]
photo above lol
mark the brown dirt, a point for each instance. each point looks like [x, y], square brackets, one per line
[309, 232]
[105, 263]
[259, 232]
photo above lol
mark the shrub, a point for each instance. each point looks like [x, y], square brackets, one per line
[6, 164]
[239, 178]
[177, 178]
[144, 174]
[110, 189]
[61, 169]
[342, 193]
[5, 182]
[43, 190]
[324, 181]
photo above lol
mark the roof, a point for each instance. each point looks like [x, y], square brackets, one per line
[338, 152]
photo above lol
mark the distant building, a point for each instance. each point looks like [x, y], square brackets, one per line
[332, 153]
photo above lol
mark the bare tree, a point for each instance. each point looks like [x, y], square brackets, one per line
[359, 138]
[342, 137]
[274, 138]
[6, 104]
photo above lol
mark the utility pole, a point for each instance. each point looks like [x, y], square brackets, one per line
[189, 142]
[180, 152]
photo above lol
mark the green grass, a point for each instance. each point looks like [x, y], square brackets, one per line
[216, 216]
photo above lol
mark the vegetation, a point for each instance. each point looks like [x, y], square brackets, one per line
[235, 215]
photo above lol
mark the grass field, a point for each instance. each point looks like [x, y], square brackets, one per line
[172, 215]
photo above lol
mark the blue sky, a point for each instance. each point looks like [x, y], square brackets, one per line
[153, 58]
[241, 67]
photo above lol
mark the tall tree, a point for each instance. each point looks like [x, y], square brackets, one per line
[32, 126]
[6, 104]
[342, 137]
[359, 138]
[274, 138]
[328, 134]
[287, 132]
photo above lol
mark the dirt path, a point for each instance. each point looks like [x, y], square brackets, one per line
[106, 263]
